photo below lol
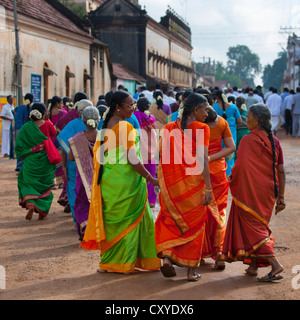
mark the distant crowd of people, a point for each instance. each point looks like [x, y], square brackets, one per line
[113, 161]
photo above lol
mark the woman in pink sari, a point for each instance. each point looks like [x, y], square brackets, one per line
[148, 143]
[57, 113]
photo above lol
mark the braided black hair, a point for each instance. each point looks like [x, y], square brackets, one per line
[219, 94]
[263, 115]
[29, 97]
[115, 99]
[159, 102]
[193, 100]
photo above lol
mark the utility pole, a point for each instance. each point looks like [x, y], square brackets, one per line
[19, 71]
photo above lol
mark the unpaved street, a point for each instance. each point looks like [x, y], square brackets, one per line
[43, 261]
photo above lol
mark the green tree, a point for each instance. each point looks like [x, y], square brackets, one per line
[273, 75]
[77, 9]
[243, 63]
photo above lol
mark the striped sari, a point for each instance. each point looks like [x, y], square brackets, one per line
[120, 222]
[180, 226]
[36, 176]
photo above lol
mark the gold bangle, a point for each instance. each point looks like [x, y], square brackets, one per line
[208, 190]
[208, 158]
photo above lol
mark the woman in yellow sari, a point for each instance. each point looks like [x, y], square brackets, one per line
[186, 192]
[120, 222]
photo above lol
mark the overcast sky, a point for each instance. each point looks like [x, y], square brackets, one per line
[217, 24]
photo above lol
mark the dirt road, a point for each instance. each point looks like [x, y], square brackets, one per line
[42, 259]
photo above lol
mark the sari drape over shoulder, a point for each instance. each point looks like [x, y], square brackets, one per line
[82, 150]
[120, 222]
[180, 225]
[252, 186]
[159, 115]
[36, 175]
[72, 128]
[216, 211]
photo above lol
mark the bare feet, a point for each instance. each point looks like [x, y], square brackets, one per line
[30, 213]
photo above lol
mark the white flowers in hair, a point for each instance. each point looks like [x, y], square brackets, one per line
[36, 113]
[91, 123]
[224, 98]
[27, 102]
[105, 114]
[147, 112]
[244, 107]
[180, 113]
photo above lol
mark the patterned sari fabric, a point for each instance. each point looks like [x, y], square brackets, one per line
[180, 226]
[82, 150]
[70, 130]
[148, 148]
[252, 186]
[120, 222]
[36, 176]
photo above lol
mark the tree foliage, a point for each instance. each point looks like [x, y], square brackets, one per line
[273, 75]
[77, 9]
[243, 63]
[242, 66]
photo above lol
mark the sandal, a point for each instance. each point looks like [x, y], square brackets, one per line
[219, 265]
[195, 278]
[168, 271]
[270, 278]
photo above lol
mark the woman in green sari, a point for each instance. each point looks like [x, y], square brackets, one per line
[120, 222]
[35, 179]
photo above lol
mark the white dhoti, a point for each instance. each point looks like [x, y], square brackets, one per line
[275, 122]
[5, 141]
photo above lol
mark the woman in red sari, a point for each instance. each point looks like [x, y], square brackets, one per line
[257, 184]
[185, 189]
[216, 211]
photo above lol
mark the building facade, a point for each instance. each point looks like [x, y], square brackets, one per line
[292, 74]
[159, 52]
[58, 57]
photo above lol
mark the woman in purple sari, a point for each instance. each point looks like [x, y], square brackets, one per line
[81, 151]
[147, 142]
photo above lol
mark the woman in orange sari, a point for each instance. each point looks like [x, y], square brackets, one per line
[216, 211]
[185, 189]
[257, 183]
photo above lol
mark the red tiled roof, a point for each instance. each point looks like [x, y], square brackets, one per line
[43, 11]
[124, 73]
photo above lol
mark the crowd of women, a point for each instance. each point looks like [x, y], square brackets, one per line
[112, 161]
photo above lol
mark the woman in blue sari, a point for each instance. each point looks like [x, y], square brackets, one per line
[231, 114]
[21, 116]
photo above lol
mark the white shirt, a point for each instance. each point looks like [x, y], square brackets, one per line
[288, 102]
[148, 95]
[274, 103]
[6, 111]
[258, 98]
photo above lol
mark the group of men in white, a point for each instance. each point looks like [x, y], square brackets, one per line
[285, 108]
